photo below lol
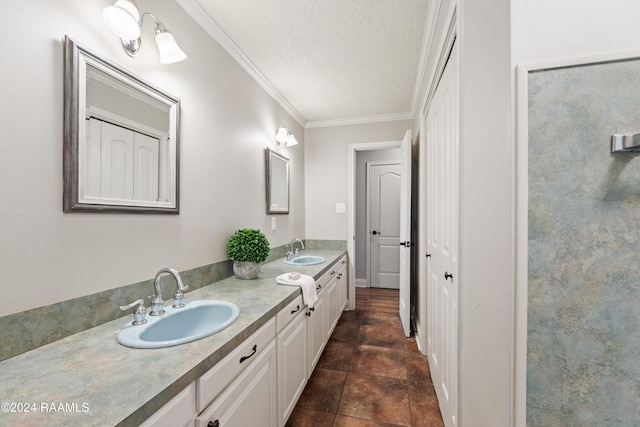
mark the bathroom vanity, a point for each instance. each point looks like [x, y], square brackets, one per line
[251, 373]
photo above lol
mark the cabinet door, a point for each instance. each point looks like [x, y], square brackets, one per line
[330, 306]
[250, 400]
[342, 290]
[315, 327]
[178, 412]
[292, 366]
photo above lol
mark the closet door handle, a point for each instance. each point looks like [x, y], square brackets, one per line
[448, 276]
[243, 358]
[428, 255]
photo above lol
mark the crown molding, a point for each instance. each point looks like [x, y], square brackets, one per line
[360, 120]
[427, 46]
[198, 14]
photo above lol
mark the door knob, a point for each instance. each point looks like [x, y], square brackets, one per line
[448, 276]
[405, 244]
[374, 232]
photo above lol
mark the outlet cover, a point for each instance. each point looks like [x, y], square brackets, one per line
[341, 208]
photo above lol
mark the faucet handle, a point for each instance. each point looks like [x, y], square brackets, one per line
[178, 298]
[157, 306]
[139, 314]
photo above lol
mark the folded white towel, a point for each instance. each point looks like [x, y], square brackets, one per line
[307, 283]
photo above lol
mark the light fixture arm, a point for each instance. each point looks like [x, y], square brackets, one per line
[132, 47]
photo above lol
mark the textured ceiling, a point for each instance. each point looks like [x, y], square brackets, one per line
[331, 60]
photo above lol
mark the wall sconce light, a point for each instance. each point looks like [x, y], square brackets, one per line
[284, 136]
[125, 21]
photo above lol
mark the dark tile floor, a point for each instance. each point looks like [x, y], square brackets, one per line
[369, 375]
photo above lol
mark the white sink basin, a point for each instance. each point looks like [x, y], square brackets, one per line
[196, 320]
[305, 260]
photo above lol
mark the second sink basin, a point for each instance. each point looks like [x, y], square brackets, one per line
[305, 260]
[196, 320]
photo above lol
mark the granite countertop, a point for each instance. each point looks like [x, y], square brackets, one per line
[89, 379]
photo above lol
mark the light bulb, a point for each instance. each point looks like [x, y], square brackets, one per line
[169, 50]
[122, 19]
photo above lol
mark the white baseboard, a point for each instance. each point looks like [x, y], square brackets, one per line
[361, 283]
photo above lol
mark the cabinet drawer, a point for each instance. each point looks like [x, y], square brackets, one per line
[217, 378]
[285, 315]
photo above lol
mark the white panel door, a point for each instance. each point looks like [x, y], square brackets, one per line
[405, 234]
[442, 144]
[116, 162]
[121, 164]
[384, 224]
[145, 171]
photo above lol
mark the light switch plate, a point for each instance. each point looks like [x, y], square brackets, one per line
[273, 223]
[341, 208]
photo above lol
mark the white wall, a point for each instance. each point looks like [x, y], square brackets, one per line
[486, 208]
[327, 170]
[548, 30]
[227, 121]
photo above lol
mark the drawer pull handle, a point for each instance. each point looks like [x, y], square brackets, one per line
[215, 423]
[243, 358]
[296, 310]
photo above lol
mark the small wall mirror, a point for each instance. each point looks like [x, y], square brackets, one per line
[277, 183]
[120, 139]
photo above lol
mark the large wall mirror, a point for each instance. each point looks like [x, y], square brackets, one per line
[121, 151]
[277, 183]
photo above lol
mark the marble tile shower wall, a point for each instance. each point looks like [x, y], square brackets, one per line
[583, 364]
[34, 328]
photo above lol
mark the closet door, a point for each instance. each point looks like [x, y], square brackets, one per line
[443, 188]
[122, 164]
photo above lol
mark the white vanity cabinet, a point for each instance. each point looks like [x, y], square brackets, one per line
[292, 356]
[260, 381]
[241, 389]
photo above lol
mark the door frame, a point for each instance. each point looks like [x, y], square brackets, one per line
[368, 208]
[351, 228]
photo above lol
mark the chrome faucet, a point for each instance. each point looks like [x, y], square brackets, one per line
[290, 253]
[157, 304]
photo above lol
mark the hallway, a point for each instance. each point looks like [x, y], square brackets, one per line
[369, 375]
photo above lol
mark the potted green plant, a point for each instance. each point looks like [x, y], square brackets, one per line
[247, 248]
